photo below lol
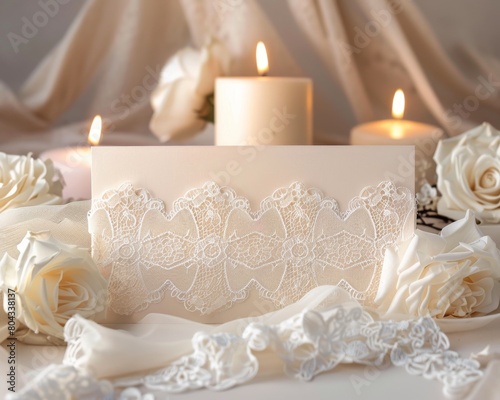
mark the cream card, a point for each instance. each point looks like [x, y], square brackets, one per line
[217, 233]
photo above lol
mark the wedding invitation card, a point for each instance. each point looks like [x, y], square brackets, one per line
[217, 233]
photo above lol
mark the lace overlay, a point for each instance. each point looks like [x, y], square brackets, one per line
[211, 250]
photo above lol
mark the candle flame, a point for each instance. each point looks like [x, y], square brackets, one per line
[398, 105]
[262, 60]
[95, 131]
[397, 132]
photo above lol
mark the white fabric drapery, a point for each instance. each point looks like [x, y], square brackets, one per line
[113, 54]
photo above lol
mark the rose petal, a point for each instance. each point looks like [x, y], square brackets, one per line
[468, 168]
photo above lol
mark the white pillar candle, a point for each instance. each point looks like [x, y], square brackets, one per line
[403, 132]
[75, 164]
[263, 110]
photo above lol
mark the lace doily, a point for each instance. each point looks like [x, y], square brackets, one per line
[211, 250]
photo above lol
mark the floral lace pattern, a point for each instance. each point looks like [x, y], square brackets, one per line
[311, 343]
[308, 343]
[219, 361]
[211, 250]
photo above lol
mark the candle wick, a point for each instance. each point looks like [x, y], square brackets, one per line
[263, 74]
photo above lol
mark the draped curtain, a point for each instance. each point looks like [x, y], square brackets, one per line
[364, 50]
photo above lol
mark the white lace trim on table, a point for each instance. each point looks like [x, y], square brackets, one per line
[210, 251]
[308, 344]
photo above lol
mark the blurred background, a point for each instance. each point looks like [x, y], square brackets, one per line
[466, 31]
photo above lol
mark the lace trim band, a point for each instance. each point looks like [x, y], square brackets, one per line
[211, 250]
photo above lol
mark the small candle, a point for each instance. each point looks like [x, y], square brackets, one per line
[74, 164]
[398, 131]
[263, 110]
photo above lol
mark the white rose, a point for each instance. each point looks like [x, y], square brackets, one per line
[25, 181]
[181, 102]
[453, 274]
[52, 282]
[468, 168]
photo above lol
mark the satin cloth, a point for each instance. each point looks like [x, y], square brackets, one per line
[110, 52]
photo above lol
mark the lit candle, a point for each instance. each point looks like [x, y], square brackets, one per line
[74, 163]
[398, 131]
[263, 110]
